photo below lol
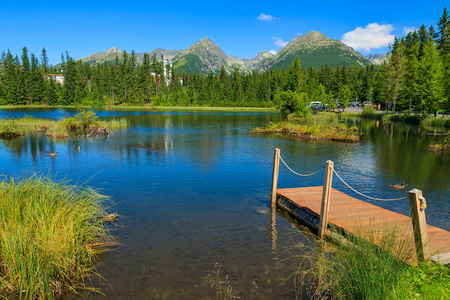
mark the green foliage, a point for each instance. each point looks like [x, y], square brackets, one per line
[50, 236]
[64, 128]
[292, 102]
[441, 122]
[415, 78]
[332, 56]
[321, 126]
[368, 111]
[9, 130]
[356, 268]
[344, 96]
[82, 120]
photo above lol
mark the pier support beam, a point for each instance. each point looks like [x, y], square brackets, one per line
[418, 206]
[323, 224]
[276, 168]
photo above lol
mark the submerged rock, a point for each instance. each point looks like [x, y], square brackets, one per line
[263, 210]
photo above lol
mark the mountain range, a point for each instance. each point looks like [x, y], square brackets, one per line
[314, 50]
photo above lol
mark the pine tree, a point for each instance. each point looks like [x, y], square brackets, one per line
[411, 70]
[70, 88]
[430, 80]
[44, 61]
[295, 81]
[443, 45]
[395, 72]
[237, 86]
[37, 84]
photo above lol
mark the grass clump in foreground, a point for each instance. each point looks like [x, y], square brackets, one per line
[313, 127]
[355, 268]
[50, 236]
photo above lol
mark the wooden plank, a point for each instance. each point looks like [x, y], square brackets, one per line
[355, 216]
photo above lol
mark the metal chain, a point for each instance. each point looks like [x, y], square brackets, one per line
[303, 175]
[377, 199]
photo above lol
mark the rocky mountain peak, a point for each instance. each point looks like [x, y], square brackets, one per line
[113, 50]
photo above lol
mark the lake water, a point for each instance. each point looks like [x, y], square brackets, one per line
[198, 197]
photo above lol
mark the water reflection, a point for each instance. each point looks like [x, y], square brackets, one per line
[193, 189]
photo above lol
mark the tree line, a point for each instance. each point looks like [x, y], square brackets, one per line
[415, 76]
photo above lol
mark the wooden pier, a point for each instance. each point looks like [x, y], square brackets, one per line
[321, 206]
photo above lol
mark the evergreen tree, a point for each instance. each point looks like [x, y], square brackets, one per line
[344, 96]
[430, 80]
[44, 61]
[443, 45]
[395, 72]
[295, 78]
[411, 70]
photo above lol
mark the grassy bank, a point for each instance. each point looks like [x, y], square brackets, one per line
[50, 236]
[220, 109]
[313, 127]
[402, 118]
[355, 268]
[150, 107]
[83, 123]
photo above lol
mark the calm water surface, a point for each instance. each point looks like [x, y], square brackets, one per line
[198, 198]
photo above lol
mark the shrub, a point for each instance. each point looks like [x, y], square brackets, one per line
[367, 111]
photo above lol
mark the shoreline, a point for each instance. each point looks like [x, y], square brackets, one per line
[150, 108]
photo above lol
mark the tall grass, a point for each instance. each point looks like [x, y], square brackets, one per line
[356, 268]
[50, 236]
[314, 127]
[438, 122]
[10, 128]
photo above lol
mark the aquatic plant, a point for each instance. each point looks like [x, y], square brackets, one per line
[356, 268]
[82, 123]
[313, 127]
[10, 130]
[50, 235]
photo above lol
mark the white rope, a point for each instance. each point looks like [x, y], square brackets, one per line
[377, 199]
[303, 175]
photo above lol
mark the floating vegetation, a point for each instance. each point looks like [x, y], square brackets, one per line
[10, 130]
[84, 123]
[317, 127]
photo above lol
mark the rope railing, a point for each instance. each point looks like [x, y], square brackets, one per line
[302, 175]
[416, 201]
[359, 193]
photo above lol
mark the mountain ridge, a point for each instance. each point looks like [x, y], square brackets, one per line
[314, 50]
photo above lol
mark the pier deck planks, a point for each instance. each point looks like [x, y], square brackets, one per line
[356, 216]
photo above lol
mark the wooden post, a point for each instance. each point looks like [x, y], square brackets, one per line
[276, 168]
[273, 228]
[417, 204]
[323, 225]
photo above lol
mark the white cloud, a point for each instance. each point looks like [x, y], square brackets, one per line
[373, 36]
[264, 17]
[299, 34]
[273, 52]
[407, 30]
[279, 42]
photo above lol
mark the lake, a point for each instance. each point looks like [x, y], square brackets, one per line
[193, 193]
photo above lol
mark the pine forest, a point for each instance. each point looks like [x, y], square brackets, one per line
[415, 76]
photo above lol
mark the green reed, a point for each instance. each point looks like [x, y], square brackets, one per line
[50, 236]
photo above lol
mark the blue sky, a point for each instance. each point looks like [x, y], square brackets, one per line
[240, 28]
